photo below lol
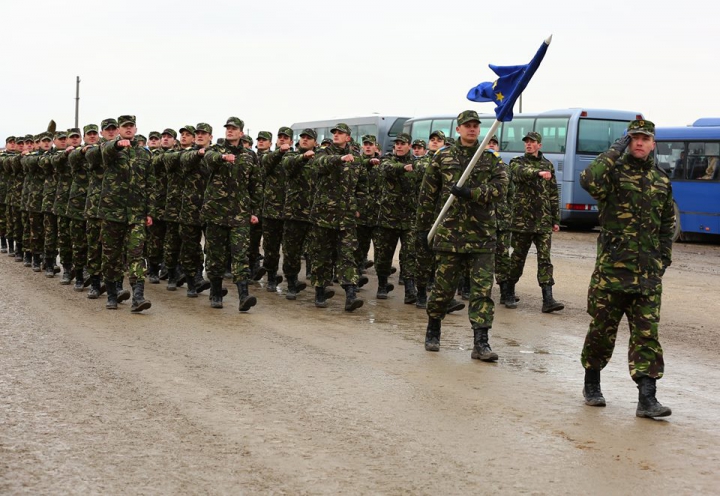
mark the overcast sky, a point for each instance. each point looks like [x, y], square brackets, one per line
[279, 62]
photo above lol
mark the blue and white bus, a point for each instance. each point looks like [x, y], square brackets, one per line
[690, 156]
[571, 139]
[384, 127]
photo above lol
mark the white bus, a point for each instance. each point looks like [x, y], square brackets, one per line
[384, 127]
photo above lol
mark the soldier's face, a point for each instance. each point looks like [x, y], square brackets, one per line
[28, 146]
[128, 131]
[493, 145]
[91, 137]
[110, 132]
[233, 133]
[246, 145]
[74, 140]
[419, 151]
[202, 138]
[45, 144]
[61, 143]
[368, 148]
[340, 138]
[435, 143]
[153, 142]
[641, 145]
[167, 141]
[284, 140]
[401, 148]
[10, 146]
[186, 138]
[532, 147]
[263, 144]
[469, 131]
[307, 142]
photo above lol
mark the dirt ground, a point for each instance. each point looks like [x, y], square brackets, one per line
[290, 399]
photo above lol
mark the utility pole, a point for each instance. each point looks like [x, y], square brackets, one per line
[77, 101]
[520, 104]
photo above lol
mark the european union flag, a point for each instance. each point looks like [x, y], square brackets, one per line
[511, 81]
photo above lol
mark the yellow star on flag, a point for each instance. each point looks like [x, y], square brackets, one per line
[499, 97]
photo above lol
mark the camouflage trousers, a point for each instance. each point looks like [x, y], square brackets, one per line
[191, 252]
[425, 260]
[502, 256]
[385, 241]
[3, 220]
[25, 227]
[295, 233]
[217, 240]
[155, 240]
[450, 268]
[255, 240]
[17, 222]
[324, 244]
[78, 234]
[122, 241]
[364, 237]
[645, 355]
[37, 233]
[520, 243]
[64, 240]
[94, 247]
[172, 244]
[50, 224]
[272, 236]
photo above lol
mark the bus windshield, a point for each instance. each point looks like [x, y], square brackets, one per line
[595, 136]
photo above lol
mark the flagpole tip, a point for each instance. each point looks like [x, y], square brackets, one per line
[548, 40]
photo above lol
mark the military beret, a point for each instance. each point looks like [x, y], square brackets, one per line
[309, 132]
[403, 137]
[341, 128]
[127, 119]
[73, 131]
[154, 134]
[265, 135]
[641, 126]
[467, 116]
[171, 132]
[235, 122]
[90, 128]
[419, 142]
[439, 134]
[286, 131]
[204, 126]
[532, 135]
[190, 129]
[106, 123]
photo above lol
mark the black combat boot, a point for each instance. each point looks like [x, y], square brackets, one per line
[172, 279]
[122, 294]
[362, 279]
[384, 287]
[352, 302]
[79, 281]
[455, 306]
[259, 272]
[94, 292]
[482, 350]
[11, 247]
[410, 291]
[421, 297]
[432, 335]
[67, 275]
[3, 244]
[18, 251]
[27, 259]
[201, 284]
[503, 292]
[112, 300]
[181, 278]
[549, 303]
[153, 273]
[591, 391]
[465, 289]
[510, 300]
[320, 297]
[246, 300]
[191, 288]
[139, 303]
[648, 405]
[369, 263]
[36, 261]
[163, 273]
[272, 282]
[294, 287]
[216, 292]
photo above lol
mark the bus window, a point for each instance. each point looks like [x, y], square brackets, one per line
[671, 157]
[443, 125]
[554, 133]
[364, 129]
[396, 127]
[421, 129]
[513, 133]
[322, 133]
[702, 161]
[596, 136]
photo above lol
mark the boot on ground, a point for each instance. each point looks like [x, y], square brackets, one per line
[247, 301]
[79, 281]
[648, 406]
[216, 292]
[67, 275]
[591, 390]
[139, 303]
[510, 299]
[432, 335]
[352, 302]
[410, 291]
[122, 294]
[153, 273]
[481, 349]
[112, 301]
[455, 306]
[36, 262]
[549, 303]
[421, 297]
[320, 297]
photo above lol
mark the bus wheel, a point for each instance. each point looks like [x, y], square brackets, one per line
[678, 234]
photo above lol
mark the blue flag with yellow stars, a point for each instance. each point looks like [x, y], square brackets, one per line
[511, 81]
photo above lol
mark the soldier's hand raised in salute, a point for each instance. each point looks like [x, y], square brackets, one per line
[228, 157]
[124, 144]
[347, 158]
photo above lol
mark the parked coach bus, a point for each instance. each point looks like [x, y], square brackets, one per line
[690, 156]
[383, 126]
[571, 139]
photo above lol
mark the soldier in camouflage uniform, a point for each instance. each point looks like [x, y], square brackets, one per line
[13, 167]
[34, 180]
[466, 236]
[173, 203]
[419, 148]
[93, 223]
[126, 206]
[298, 169]
[49, 164]
[76, 203]
[398, 203]
[230, 205]
[504, 217]
[535, 216]
[141, 141]
[154, 245]
[637, 219]
[264, 142]
[61, 162]
[367, 221]
[5, 234]
[336, 205]
[273, 204]
[154, 142]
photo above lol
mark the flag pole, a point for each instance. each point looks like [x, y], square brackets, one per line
[463, 178]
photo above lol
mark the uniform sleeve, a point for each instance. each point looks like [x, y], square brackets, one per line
[667, 228]
[293, 164]
[554, 198]
[325, 162]
[596, 179]
[254, 185]
[151, 190]
[496, 189]
[429, 195]
[361, 189]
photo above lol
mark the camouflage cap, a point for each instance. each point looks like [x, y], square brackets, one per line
[29, 137]
[171, 132]
[467, 116]
[641, 126]
[140, 137]
[309, 132]
[341, 128]
[235, 122]
[264, 135]
[326, 141]
[73, 131]
[247, 139]
[369, 138]
[61, 135]
[286, 131]
[36, 137]
[532, 135]
[204, 126]
[419, 142]
[494, 138]
[45, 136]
[439, 134]
[90, 128]
[449, 141]
[127, 119]
[190, 129]
[106, 123]
[10, 139]
[403, 137]
[154, 134]
[221, 141]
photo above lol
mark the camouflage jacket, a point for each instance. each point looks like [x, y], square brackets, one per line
[128, 182]
[49, 163]
[161, 183]
[4, 179]
[96, 170]
[233, 189]
[17, 175]
[173, 198]
[195, 176]
[338, 193]
[64, 181]
[299, 173]
[470, 226]
[274, 190]
[371, 177]
[34, 179]
[79, 186]
[504, 206]
[637, 220]
[536, 206]
[398, 198]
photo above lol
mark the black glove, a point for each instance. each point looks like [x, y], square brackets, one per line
[461, 192]
[621, 143]
[422, 239]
